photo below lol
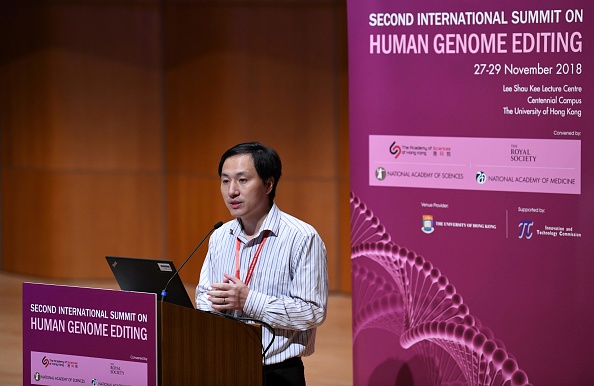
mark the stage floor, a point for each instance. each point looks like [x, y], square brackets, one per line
[331, 364]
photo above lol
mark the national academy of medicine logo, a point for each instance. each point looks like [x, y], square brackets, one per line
[481, 177]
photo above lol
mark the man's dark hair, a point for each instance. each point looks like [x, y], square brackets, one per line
[266, 161]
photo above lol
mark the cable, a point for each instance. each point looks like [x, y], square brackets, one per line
[268, 327]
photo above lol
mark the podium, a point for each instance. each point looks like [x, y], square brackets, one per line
[200, 348]
[97, 336]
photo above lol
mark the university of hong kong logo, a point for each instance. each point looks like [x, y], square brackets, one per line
[525, 231]
[395, 150]
[427, 224]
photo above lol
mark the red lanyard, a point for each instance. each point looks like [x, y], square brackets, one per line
[254, 259]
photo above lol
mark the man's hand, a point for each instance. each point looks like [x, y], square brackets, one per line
[231, 294]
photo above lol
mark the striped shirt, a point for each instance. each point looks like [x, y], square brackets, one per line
[289, 286]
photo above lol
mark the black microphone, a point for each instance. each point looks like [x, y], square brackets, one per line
[176, 273]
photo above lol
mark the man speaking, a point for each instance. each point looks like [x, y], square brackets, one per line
[265, 264]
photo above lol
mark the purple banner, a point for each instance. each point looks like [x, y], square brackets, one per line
[74, 335]
[472, 192]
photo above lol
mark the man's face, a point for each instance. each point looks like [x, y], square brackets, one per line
[244, 193]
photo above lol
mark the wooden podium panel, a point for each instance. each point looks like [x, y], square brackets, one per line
[200, 348]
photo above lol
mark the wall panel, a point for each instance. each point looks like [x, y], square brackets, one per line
[81, 137]
[144, 97]
[267, 73]
[194, 206]
[63, 224]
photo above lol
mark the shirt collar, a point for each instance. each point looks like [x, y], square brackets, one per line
[271, 223]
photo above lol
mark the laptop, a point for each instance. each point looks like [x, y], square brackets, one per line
[149, 275]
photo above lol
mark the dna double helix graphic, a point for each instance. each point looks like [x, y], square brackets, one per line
[404, 294]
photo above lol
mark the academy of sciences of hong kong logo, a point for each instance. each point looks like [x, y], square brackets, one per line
[481, 177]
[45, 362]
[395, 150]
[380, 173]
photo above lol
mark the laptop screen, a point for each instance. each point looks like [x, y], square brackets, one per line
[149, 275]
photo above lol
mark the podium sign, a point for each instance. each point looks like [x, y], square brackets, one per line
[74, 335]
